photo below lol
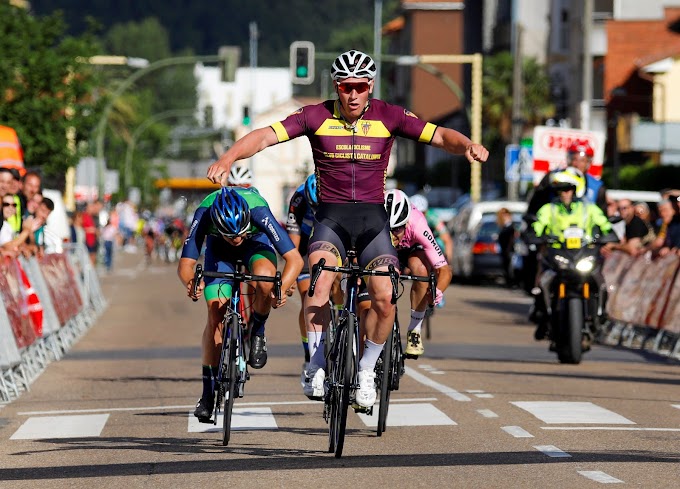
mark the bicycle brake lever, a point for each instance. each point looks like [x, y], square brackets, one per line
[198, 275]
[316, 272]
[277, 287]
[394, 279]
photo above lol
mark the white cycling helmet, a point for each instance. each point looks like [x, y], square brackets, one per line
[240, 176]
[420, 202]
[353, 64]
[398, 208]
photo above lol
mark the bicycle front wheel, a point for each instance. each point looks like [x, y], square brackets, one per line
[386, 382]
[344, 368]
[230, 381]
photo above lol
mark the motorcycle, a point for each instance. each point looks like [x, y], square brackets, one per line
[573, 291]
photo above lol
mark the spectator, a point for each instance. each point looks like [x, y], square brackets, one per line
[42, 213]
[668, 237]
[89, 222]
[641, 210]
[12, 185]
[10, 241]
[635, 231]
[31, 185]
[618, 224]
[506, 242]
[109, 234]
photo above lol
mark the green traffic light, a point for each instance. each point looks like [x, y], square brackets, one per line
[301, 71]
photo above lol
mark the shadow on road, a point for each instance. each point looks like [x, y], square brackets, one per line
[257, 458]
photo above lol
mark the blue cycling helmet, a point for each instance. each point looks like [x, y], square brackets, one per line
[311, 191]
[230, 213]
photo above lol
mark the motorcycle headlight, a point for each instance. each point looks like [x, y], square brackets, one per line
[562, 262]
[586, 265]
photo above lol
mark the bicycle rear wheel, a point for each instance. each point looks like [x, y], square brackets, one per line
[230, 381]
[386, 382]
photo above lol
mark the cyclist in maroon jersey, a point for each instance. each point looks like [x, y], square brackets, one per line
[351, 139]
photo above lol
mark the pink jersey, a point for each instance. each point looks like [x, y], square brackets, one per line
[419, 233]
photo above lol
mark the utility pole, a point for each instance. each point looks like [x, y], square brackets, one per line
[517, 93]
[377, 45]
[252, 27]
[587, 67]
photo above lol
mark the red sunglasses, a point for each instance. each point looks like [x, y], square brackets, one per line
[348, 88]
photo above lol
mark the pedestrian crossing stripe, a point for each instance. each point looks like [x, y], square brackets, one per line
[409, 415]
[557, 412]
[255, 418]
[47, 427]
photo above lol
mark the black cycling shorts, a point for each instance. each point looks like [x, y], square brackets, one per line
[363, 227]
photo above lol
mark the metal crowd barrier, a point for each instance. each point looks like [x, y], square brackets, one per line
[71, 298]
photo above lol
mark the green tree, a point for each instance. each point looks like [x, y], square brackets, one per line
[497, 97]
[45, 92]
[170, 88]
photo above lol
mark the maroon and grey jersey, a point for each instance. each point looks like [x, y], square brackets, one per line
[351, 160]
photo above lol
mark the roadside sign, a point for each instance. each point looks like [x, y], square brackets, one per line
[550, 149]
[518, 163]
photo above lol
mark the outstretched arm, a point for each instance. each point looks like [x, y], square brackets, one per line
[247, 146]
[455, 142]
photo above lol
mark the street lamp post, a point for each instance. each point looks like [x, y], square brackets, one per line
[127, 178]
[127, 83]
[425, 61]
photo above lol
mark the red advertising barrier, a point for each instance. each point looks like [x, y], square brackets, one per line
[644, 292]
[61, 282]
[670, 319]
[16, 303]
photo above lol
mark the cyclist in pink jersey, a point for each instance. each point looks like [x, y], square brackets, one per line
[419, 253]
[351, 140]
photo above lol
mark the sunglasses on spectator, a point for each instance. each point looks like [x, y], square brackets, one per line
[8, 204]
[348, 88]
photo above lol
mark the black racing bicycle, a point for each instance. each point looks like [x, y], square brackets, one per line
[232, 371]
[342, 361]
[390, 366]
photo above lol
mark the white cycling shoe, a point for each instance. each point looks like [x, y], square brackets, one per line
[314, 383]
[366, 394]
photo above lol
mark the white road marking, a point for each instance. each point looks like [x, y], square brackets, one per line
[606, 428]
[409, 415]
[487, 413]
[484, 396]
[425, 366]
[552, 451]
[474, 391]
[448, 391]
[191, 406]
[39, 428]
[517, 432]
[552, 412]
[437, 372]
[241, 419]
[677, 406]
[599, 476]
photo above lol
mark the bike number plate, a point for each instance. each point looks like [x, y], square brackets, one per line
[573, 237]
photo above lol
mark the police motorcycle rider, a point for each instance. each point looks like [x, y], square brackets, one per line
[567, 210]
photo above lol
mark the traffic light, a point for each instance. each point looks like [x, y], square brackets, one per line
[302, 62]
[246, 115]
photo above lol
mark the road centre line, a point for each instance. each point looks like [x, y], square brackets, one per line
[552, 451]
[606, 428]
[517, 432]
[191, 406]
[599, 476]
[448, 391]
